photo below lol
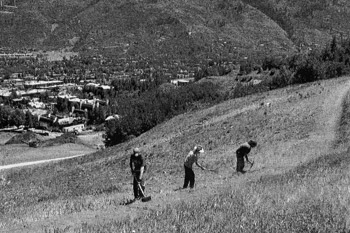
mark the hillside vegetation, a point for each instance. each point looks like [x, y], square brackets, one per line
[180, 29]
[292, 125]
[313, 197]
[300, 179]
[150, 108]
[300, 125]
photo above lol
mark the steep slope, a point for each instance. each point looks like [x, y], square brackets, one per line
[232, 28]
[309, 23]
[300, 125]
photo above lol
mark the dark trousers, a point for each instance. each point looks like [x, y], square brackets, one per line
[137, 192]
[240, 164]
[189, 177]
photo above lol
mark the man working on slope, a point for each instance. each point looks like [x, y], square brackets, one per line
[242, 152]
[137, 169]
[192, 158]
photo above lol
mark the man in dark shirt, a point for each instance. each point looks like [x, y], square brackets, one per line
[242, 152]
[137, 169]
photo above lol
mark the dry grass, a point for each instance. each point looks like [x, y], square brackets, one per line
[19, 153]
[95, 184]
[5, 136]
[317, 202]
[313, 197]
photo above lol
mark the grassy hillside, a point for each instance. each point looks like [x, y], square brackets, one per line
[313, 197]
[85, 193]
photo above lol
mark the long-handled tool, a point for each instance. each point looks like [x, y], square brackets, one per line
[213, 170]
[251, 165]
[144, 198]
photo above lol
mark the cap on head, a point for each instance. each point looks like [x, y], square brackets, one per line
[199, 149]
[137, 150]
[252, 143]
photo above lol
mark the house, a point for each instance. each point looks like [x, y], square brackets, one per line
[74, 128]
[44, 122]
[32, 92]
[41, 84]
[181, 81]
[79, 113]
[29, 77]
[16, 75]
[87, 104]
[36, 104]
[104, 87]
[65, 121]
[92, 85]
[66, 96]
[5, 93]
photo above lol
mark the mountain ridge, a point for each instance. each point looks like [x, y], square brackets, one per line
[181, 29]
[140, 27]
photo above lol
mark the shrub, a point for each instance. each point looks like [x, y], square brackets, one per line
[246, 67]
[307, 71]
[272, 63]
[281, 78]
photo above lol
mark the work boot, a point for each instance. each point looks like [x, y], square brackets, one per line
[241, 172]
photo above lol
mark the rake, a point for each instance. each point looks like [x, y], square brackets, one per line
[144, 198]
[251, 165]
[213, 170]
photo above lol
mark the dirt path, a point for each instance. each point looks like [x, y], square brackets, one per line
[36, 162]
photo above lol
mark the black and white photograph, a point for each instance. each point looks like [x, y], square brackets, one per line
[183, 116]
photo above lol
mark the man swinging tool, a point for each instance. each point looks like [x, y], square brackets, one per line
[242, 153]
[137, 169]
[192, 158]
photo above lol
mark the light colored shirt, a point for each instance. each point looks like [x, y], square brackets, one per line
[191, 158]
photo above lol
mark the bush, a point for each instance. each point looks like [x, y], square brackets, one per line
[246, 67]
[272, 63]
[202, 73]
[281, 78]
[307, 71]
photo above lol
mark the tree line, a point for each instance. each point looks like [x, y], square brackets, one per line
[145, 111]
[331, 62]
[16, 117]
